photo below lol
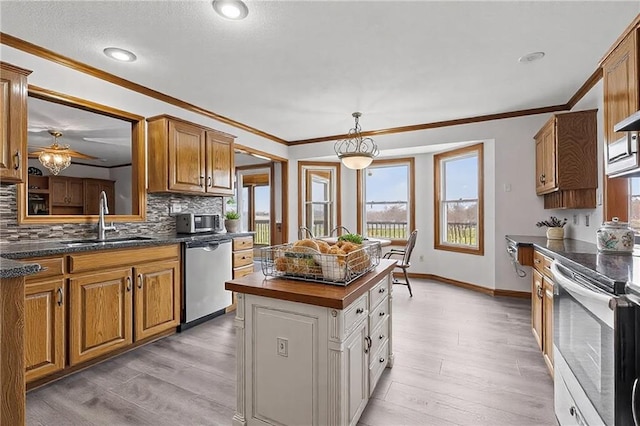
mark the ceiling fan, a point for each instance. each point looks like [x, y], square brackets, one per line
[57, 157]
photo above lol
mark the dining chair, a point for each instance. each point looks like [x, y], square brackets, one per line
[304, 232]
[404, 262]
[339, 230]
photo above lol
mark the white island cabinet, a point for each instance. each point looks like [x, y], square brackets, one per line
[310, 353]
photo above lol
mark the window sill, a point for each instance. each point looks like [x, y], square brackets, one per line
[460, 249]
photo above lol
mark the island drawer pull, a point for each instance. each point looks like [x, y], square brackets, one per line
[381, 290]
[381, 314]
[381, 359]
[359, 310]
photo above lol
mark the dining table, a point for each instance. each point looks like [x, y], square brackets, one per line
[383, 241]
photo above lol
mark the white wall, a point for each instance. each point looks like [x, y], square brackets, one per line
[122, 176]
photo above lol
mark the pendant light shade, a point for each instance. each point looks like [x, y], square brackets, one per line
[356, 152]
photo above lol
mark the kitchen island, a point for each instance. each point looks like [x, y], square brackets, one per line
[310, 353]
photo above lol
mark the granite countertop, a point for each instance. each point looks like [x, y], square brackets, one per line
[10, 253]
[612, 269]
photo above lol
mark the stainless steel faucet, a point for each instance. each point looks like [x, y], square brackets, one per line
[104, 209]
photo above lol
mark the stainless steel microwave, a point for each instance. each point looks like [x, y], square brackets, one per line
[193, 223]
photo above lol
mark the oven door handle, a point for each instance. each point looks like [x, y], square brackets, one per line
[594, 300]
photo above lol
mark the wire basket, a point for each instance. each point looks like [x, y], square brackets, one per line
[307, 264]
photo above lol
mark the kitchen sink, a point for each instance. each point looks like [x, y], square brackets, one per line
[94, 242]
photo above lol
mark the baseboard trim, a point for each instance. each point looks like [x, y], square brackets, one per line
[474, 287]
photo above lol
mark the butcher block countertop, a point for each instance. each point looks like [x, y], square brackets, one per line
[325, 295]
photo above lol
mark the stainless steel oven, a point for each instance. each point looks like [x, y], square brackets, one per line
[594, 351]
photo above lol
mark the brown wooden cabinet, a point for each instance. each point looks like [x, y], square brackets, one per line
[100, 313]
[242, 261]
[188, 158]
[542, 306]
[157, 298]
[219, 163]
[621, 72]
[66, 195]
[91, 198]
[44, 311]
[566, 160]
[547, 323]
[13, 130]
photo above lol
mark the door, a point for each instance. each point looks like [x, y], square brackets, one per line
[13, 110]
[186, 157]
[157, 298]
[536, 307]
[547, 322]
[256, 204]
[356, 371]
[220, 164]
[44, 324]
[100, 314]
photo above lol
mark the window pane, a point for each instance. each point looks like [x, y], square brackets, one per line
[461, 178]
[262, 196]
[634, 204]
[460, 222]
[387, 201]
[244, 217]
[319, 190]
[321, 219]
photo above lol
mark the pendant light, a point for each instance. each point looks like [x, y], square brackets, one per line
[356, 152]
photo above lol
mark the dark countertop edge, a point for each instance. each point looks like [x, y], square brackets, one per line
[588, 249]
[336, 297]
[12, 269]
[14, 258]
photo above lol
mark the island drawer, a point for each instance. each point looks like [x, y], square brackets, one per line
[377, 365]
[379, 292]
[379, 336]
[379, 314]
[355, 313]
[542, 263]
[241, 272]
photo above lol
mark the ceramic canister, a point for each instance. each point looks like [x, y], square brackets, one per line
[615, 237]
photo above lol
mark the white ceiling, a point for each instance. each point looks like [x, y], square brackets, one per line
[298, 69]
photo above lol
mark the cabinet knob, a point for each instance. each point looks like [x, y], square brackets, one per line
[381, 290]
[381, 336]
[16, 159]
[381, 360]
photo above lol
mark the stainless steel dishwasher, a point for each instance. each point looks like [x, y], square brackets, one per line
[207, 265]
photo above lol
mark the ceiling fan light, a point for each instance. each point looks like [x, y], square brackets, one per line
[55, 162]
[231, 9]
[356, 152]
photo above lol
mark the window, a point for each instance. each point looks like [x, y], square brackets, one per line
[319, 197]
[385, 197]
[634, 205]
[458, 193]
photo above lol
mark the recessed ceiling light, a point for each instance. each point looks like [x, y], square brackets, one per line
[531, 57]
[120, 54]
[231, 9]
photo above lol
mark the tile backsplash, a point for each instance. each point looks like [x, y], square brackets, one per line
[158, 218]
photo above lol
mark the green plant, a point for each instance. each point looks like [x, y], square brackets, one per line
[352, 238]
[553, 222]
[232, 215]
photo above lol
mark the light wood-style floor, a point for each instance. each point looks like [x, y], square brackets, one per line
[461, 358]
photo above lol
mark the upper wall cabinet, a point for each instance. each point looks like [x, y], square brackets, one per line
[566, 161]
[188, 158]
[621, 99]
[13, 131]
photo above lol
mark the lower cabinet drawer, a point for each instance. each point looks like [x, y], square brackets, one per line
[355, 313]
[379, 292]
[241, 272]
[379, 314]
[242, 258]
[379, 336]
[377, 363]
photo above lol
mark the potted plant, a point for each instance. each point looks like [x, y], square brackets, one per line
[555, 227]
[232, 222]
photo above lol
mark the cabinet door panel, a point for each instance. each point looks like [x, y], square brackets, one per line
[13, 130]
[44, 327]
[357, 373]
[536, 307]
[539, 166]
[550, 164]
[100, 315]
[58, 190]
[157, 298]
[75, 192]
[220, 164]
[547, 319]
[186, 157]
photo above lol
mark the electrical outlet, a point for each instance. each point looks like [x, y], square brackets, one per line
[586, 220]
[175, 208]
[283, 347]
